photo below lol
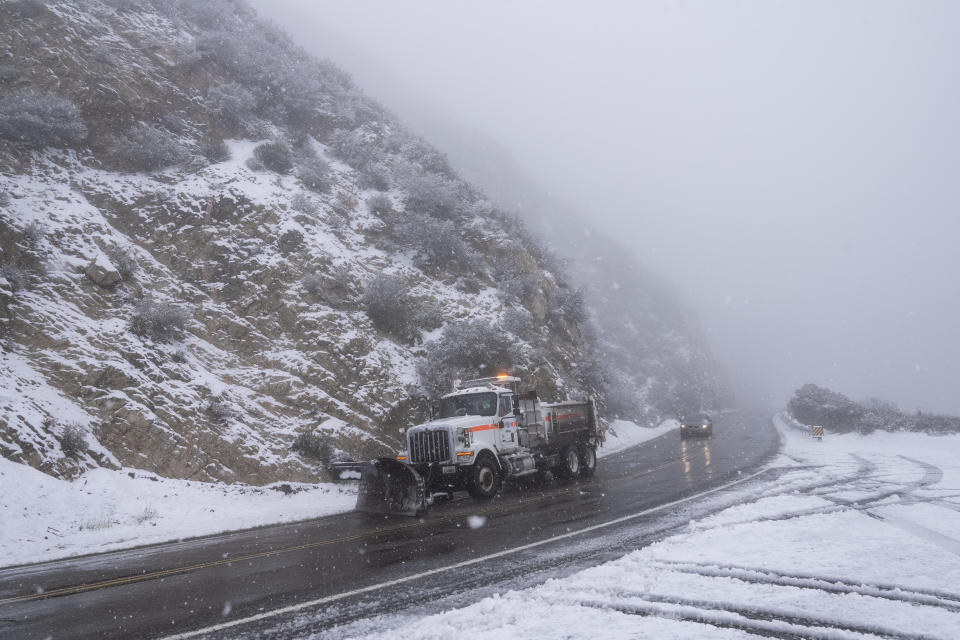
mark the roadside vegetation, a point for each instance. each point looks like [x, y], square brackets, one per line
[813, 405]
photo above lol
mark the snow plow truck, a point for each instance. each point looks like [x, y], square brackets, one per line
[480, 435]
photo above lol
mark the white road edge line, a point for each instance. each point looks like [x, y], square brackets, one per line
[499, 554]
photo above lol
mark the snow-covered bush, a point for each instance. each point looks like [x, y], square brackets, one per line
[147, 148]
[313, 283]
[519, 322]
[815, 405]
[375, 175]
[304, 204]
[315, 174]
[125, 262]
[432, 194]
[437, 243]
[386, 299]
[379, 205]
[357, 147]
[567, 306]
[159, 321]
[232, 103]
[40, 119]
[429, 316]
[73, 441]
[521, 287]
[334, 289]
[275, 155]
[467, 349]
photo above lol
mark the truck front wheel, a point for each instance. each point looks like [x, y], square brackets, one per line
[588, 461]
[485, 478]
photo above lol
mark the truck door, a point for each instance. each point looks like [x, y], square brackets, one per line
[508, 430]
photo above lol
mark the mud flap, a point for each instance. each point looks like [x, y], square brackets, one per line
[389, 486]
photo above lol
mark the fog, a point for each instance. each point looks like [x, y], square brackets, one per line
[792, 169]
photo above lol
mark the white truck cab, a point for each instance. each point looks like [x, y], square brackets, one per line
[482, 433]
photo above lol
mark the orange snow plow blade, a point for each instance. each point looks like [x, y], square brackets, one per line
[389, 486]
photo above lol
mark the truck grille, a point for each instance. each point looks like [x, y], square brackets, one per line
[429, 446]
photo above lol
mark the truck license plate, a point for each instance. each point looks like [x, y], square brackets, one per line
[449, 468]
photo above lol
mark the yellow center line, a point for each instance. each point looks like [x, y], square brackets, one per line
[153, 575]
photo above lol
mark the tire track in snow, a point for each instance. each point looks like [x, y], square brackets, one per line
[767, 623]
[942, 600]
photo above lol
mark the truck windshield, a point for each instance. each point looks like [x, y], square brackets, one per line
[472, 404]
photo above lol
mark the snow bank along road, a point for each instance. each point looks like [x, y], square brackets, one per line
[354, 566]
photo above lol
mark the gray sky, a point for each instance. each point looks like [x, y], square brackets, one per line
[792, 167]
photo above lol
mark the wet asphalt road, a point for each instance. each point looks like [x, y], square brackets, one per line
[159, 591]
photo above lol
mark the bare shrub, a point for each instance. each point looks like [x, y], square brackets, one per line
[15, 276]
[275, 156]
[386, 299]
[33, 234]
[314, 445]
[39, 119]
[147, 148]
[103, 520]
[215, 150]
[149, 514]
[73, 440]
[220, 409]
[161, 321]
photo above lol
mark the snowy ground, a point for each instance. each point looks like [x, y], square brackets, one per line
[851, 537]
[44, 518]
[626, 434]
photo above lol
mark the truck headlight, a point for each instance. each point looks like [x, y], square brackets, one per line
[463, 437]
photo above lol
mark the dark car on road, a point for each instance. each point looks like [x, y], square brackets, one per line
[696, 425]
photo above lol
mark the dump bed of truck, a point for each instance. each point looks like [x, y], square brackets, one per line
[562, 423]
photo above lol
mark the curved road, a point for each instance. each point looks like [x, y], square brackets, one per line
[341, 568]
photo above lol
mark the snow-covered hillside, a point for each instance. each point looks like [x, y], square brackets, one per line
[213, 244]
[219, 260]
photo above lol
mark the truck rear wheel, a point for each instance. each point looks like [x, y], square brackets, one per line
[569, 462]
[485, 478]
[588, 461]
